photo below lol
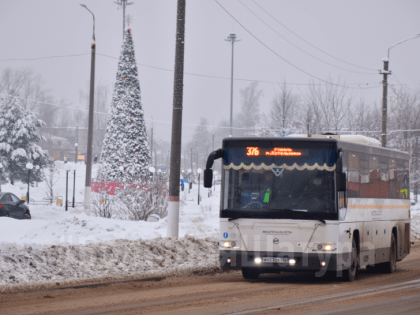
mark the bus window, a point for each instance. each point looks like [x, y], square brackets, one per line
[374, 176]
[384, 180]
[353, 182]
[392, 174]
[364, 178]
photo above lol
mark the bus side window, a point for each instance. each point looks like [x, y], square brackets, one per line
[402, 178]
[374, 176]
[384, 179]
[353, 181]
[392, 174]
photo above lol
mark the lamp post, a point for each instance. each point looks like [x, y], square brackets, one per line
[29, 166]
[189, 180]
[199, 171]
[68, 169]
[76, 151]
[385, 72]
[74, 186]
[90, 126]
[1, 168]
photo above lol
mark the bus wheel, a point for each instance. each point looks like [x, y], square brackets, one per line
[350, 274]
[391, 265]
[250, 273]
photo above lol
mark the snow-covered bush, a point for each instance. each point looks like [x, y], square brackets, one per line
[143, 197]
[135, 201]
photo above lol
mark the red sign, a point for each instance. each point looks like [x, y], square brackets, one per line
[283, 152]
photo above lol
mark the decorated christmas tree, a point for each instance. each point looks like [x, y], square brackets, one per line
[125, 153]
[19, 135]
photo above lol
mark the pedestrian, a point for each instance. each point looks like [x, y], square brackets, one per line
[95, 159]
[182, 185]
[65, 158]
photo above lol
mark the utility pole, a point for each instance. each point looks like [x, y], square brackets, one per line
[90, 127]
[123, 3]
[385, 73]
[174, 176]
[231, 38]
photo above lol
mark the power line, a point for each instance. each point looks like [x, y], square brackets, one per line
[48, 57]
[189, 73]
[309, 42]
[262, 43]
[265, 23]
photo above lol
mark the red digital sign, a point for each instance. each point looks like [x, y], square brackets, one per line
[252, 151]
[283, 152]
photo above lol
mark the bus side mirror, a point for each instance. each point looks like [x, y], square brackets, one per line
[208, 178]
[341, 182]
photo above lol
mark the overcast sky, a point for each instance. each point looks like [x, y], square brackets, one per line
[358, 32]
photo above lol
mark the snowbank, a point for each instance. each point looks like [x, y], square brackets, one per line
[108, 259]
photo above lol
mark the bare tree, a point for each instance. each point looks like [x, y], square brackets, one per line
[283, 106]
[250, 107]
[330, 105]
[51, 179]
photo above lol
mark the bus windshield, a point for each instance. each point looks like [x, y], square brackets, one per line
[284, 180]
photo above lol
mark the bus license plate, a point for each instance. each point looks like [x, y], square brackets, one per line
[275, 259]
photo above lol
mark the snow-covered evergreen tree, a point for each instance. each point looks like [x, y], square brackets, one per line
[125, 142]
[19, 135]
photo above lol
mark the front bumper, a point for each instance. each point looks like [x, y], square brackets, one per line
[303, 261]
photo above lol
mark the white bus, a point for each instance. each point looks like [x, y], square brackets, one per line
[312, 204]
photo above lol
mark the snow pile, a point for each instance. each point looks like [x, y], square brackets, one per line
[53, 225]
[111, 259]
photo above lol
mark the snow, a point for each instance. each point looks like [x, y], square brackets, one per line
[59, 245]
[62, 246]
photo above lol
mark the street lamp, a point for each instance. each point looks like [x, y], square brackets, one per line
[29, 166]
[189, 180]
[1, 168]
[199, 171]
[68, 169]
[88, 181]
[76, 151]
[385, 72]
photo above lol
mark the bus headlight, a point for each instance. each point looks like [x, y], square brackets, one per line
[326, 247]
[258, 260]
[292, 262]
[227, 244]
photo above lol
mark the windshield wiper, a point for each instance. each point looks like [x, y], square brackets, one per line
[250, 215]
[308, 213]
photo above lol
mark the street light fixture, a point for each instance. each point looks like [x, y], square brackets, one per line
[412, 37]
[385, 72]
[29, 166]
[88, 181]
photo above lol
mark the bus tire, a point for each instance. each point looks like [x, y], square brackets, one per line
[250, 273]
[350, 274]
[391, 265]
